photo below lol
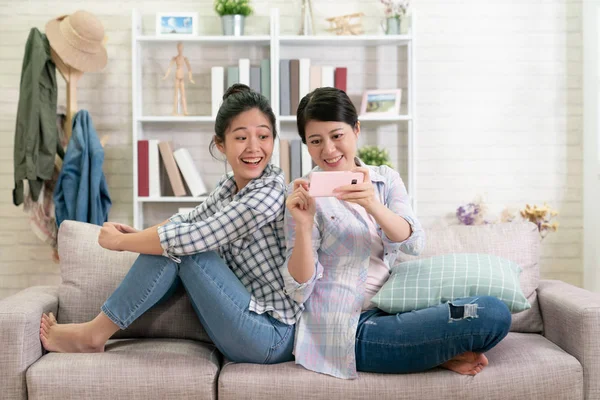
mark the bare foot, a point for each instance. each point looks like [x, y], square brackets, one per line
[68, 338]
[468, 363]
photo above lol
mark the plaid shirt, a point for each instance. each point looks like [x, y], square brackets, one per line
[246, 228]
[333, 297]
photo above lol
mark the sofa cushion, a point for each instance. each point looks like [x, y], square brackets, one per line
[522, 366]
[129, 369]
[91, 273]
[516, 241]
[418, 284]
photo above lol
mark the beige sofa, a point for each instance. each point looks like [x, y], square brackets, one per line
[553, 351]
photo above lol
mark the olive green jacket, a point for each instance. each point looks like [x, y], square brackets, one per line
[36, 134]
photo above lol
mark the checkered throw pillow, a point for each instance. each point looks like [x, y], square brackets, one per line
[423, 283]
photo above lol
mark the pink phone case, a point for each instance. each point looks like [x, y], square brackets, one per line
[323, 183]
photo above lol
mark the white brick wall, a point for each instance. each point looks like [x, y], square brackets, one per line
[499, 99]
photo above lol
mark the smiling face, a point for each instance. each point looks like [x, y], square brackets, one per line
[248, 145]
[332, 144]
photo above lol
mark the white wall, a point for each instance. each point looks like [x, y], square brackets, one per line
[499, 100]
[591, 141]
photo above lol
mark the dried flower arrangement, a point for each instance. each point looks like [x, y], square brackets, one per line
[541, 216]
[395, 8]
[473, 213]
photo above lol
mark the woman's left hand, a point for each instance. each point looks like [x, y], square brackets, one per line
[362, 194]
[110, 236]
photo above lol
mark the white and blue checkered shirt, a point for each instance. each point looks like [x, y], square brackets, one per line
[246, 229]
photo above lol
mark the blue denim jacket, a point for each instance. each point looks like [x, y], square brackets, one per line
[81, 192]
[333, 297]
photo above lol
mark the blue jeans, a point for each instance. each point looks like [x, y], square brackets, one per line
[218, 297]
[419, 340]
[386, 343]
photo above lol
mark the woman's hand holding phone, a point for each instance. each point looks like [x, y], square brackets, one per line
[362, 194]
[301, 204]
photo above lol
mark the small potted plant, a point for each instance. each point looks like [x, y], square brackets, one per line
[373, 155]
[233, 13]
[394, 11]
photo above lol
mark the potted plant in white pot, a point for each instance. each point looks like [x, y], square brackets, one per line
[233, 14]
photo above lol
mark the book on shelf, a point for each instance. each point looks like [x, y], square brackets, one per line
[340, 78]
[315, 77]
[327, 76]
[165, 186]
[233, 75]
[295, 159]
[166, 153]
[265, 78]
[284, 86]
[217, 78]
[190, 172]
[244, 71]
[153, 168]
[284, 158]
[294, 86]
[142, 164]
[255, 79]
[304, 77]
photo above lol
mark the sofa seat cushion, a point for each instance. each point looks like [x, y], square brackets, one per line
[522, 366]
[129, 369]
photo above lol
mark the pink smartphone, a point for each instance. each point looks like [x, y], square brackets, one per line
[322, 183]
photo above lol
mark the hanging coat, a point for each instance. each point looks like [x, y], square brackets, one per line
[36, 137]
[81, 193]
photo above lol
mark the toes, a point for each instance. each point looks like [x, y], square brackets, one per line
[52, 318]
[45, 343]
[44, 328]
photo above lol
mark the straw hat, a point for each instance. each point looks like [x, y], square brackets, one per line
[79, 40]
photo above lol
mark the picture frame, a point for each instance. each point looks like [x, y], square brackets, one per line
[177, 24]
[381, 102]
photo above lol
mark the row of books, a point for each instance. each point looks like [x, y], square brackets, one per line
[257, 77]
[294, 159]
[164, 172]
[297, 78]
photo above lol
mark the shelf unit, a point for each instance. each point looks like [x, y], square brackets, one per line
[274, 42]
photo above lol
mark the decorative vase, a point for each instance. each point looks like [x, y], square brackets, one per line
[392, 26]
[233, 25]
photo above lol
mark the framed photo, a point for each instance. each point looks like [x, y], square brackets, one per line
[177, 24]
[381, 102]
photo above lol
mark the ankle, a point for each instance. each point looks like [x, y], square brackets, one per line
[92, 337]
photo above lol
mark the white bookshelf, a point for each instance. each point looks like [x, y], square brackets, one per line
[275, 44]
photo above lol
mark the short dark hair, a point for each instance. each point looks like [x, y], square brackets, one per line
[325, 104]
[237, 99]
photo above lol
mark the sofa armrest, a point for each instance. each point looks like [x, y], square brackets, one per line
[20, 344]
[571, 318]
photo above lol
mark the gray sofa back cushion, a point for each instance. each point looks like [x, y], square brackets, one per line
[89, 276]
[516, 241]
